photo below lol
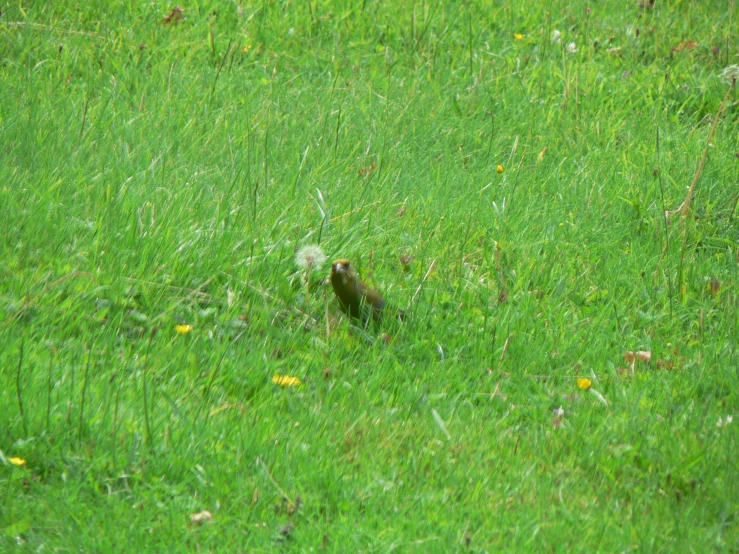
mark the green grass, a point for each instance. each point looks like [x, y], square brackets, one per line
[155, 175]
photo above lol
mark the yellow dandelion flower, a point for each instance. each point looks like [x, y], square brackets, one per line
[517, 36]
[584, 383]
[183, 329]
[499, 169]
[17, 461]
[286, 380]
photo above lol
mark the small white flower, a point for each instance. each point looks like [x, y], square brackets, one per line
[571, 47]
[310, 257]
[725, 421]
[556, 36]
[559, 412]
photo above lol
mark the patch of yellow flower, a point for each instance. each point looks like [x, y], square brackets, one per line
[499, 168]
[286, 380]
[183, 329]
[517, 36]
[17, 461]
[584, 383]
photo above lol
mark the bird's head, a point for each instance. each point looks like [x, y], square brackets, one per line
[342, 270]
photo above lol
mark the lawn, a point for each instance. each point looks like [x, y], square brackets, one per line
[548, 189]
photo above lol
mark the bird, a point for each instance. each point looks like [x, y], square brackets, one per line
[355, 297]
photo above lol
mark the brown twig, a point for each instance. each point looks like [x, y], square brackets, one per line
[684, 208]
[46, 288]
[268, 296]
[192, 294]
[18, 387]
[428, 272]
[195, 291]
[505, 349]
[49, 28]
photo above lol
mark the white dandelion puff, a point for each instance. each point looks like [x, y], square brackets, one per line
[310, 257]
[730, 73]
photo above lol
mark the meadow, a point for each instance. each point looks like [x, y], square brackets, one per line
[549, 189]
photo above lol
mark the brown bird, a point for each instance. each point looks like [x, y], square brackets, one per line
[355, 297]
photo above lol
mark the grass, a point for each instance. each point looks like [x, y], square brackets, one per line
[161, 174]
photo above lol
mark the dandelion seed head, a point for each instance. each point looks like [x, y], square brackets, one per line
[310, 257]
[730, 73]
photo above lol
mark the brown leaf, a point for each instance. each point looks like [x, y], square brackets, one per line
[173, 17]
[714, 286]
[685, 45]
[201, 517]
[671, 361]
[367, 171]
[642, 355]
